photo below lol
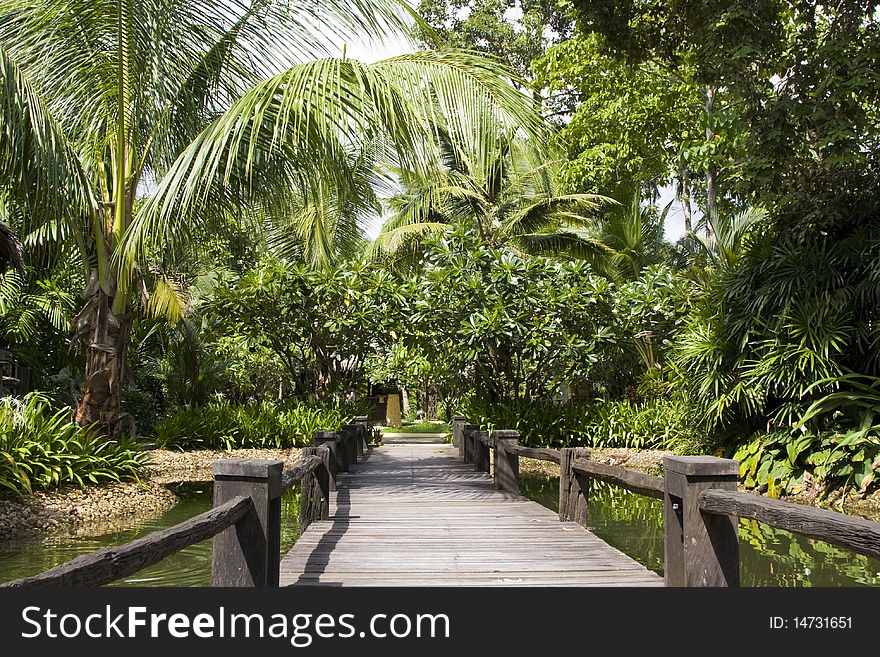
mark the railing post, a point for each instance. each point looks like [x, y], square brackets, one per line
[468, 434]
[363, 423]
[506, 463]
[574, 488]
[481, 452]
[457, 422]
[701, 549]
[351, 437]
[323, 479]
[314, 501]
[328, 440]
[249, 553]
[341, 451]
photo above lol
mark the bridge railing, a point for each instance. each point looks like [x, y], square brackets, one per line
[701, 504]
[244, 523]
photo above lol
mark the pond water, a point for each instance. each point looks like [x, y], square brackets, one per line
[189, 567]
[768, 557]
[630, 522]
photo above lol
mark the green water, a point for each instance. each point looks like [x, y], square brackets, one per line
[630, 522]
[189, 567]
[768, 557]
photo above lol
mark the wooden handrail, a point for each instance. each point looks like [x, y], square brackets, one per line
[850, 532]
[110, 564]
[539, 453]
[613, 474]
[297, 473]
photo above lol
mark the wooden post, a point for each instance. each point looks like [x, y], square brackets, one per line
[349, 433]
[249, 553]
[328, 440]
[506, 463]
[457, 422]
[341, 452]
[468, 432]
[701, 549]
[481, 452]
[363, 422]
[323, 478]
[574, 488]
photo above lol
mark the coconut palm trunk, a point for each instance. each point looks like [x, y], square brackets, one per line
[224, 109]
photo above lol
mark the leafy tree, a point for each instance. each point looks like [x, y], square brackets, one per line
[322, 325]
[204, 110]
[514, 328]
[507, 197]
[516, 31]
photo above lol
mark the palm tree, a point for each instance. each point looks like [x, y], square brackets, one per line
[197, 109]
[506, 194]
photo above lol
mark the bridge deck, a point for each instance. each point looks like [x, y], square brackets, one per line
[415, 515]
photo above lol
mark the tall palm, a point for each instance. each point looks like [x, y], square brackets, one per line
[506, 193]
[199, 109]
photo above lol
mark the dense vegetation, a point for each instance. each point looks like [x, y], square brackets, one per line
[522, 274]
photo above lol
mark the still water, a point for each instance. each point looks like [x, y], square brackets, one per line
[189, 567]
[630, 522]
[768, 557]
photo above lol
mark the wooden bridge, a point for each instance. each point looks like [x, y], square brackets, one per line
[439, 515]
[417, 515]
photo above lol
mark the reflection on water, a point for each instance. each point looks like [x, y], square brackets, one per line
[630, 522]
[189, 567]
[768, 557]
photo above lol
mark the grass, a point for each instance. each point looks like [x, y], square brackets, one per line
[420, 427]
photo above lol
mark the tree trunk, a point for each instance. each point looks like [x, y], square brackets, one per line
[106, 337]
[684, 197]
[711, 170]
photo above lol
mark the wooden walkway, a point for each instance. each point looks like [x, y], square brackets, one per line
[415, 515]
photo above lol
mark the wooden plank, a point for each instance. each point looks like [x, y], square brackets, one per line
[107, 565]
[415, 515]
[849, 532]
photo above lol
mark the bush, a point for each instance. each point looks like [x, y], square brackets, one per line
[780, 462]
[654, 424]
[222, 425]
[40, 449]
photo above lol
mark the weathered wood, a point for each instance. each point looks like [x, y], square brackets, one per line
[350, 437]
[481, 451]
[506, 460]
[111, 564]
[574, 488]
[248, 553]
[328, 439]
[849, 532]
[701, 549]
[309, 463]
[457, 422]
[468, 437]
[323, 479]
[635, 481]
[418, 516]
[363, 423]
[540, 453]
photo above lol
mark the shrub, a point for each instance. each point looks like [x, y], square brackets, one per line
[41, 449]
[222, 425]
[653, 424]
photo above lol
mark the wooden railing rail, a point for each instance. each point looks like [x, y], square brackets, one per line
[849, 532]
[245, 523]
[701, 503]
[613, 474]
[111, 564]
